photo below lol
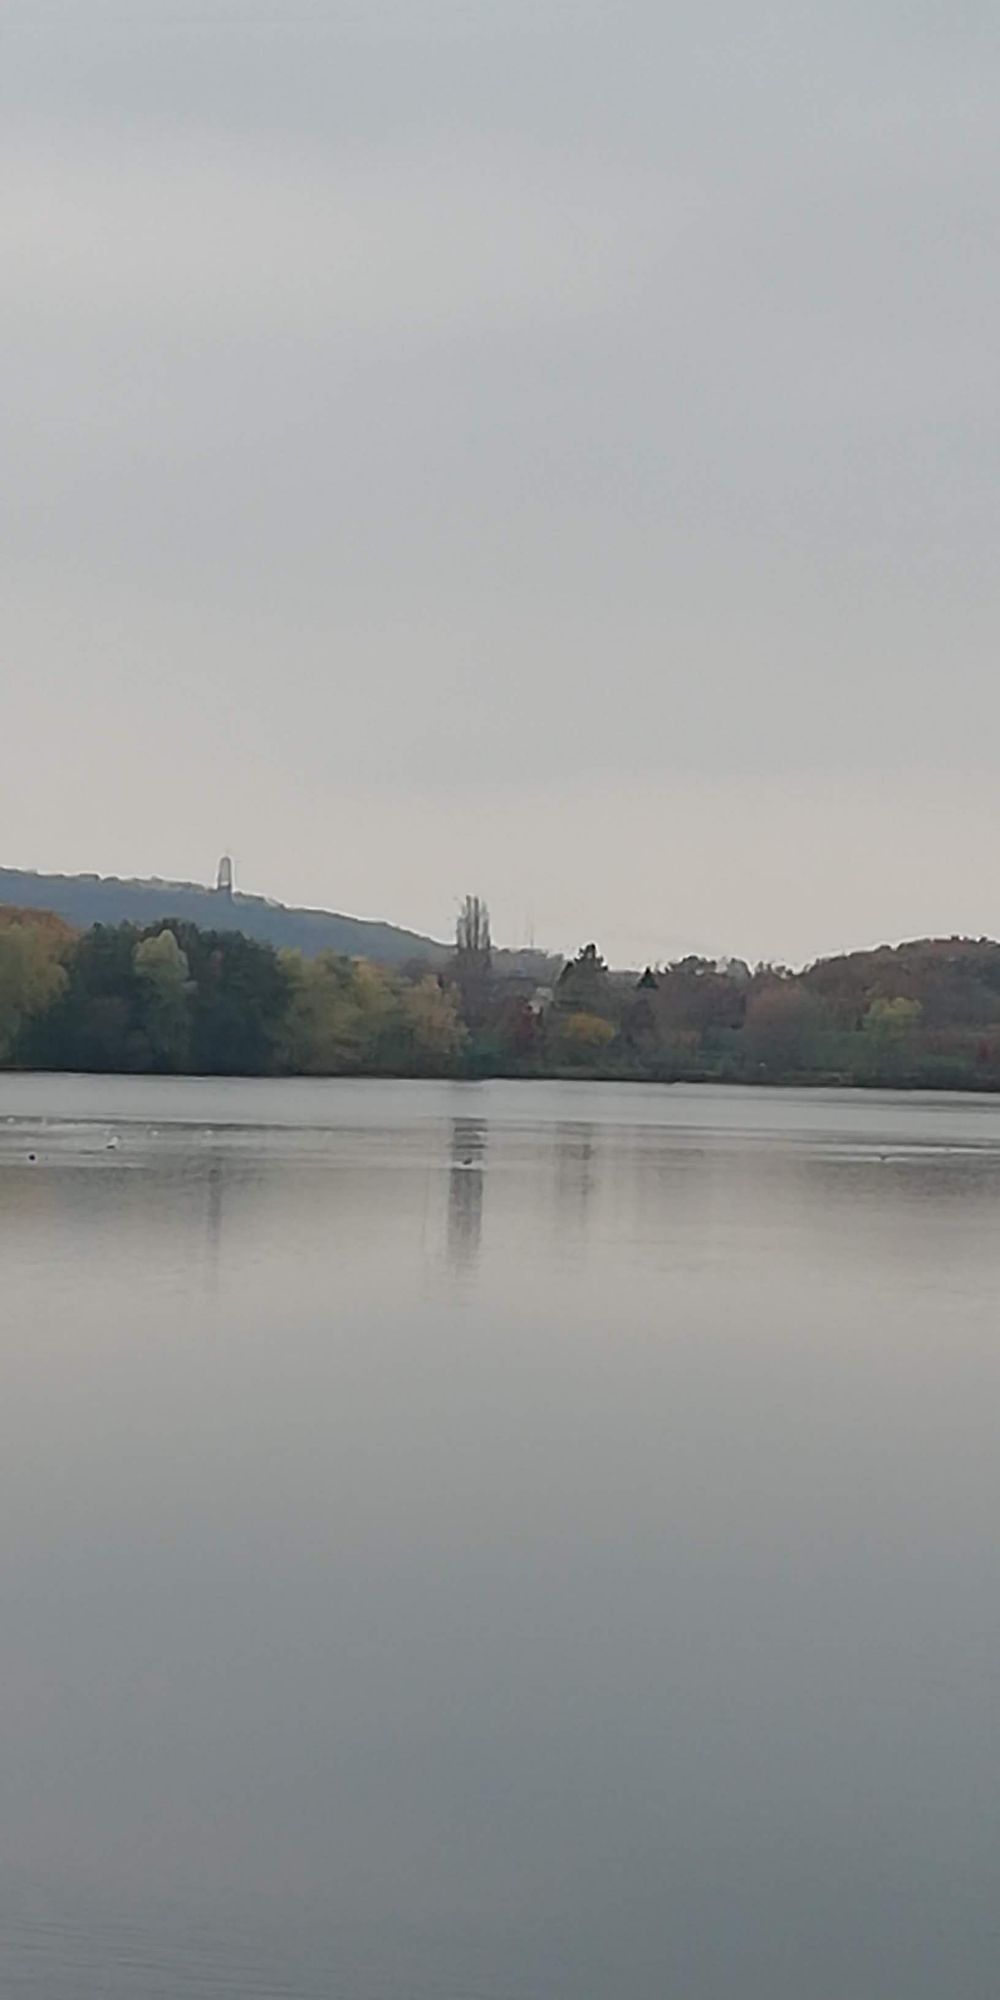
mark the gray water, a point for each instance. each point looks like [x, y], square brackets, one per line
[497, 1542]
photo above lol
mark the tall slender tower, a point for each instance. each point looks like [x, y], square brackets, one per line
[224, 878]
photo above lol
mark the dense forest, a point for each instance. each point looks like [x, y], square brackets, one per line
[173, 998]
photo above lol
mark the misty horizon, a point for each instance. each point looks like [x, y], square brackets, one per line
[529, 942]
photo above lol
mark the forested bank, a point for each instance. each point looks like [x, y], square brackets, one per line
[176, 999]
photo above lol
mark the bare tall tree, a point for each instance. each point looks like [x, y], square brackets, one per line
[472, 936]
[473, 960]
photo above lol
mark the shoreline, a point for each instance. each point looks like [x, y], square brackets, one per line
[791, 1081]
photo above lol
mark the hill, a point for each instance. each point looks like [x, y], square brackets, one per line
[83, 900]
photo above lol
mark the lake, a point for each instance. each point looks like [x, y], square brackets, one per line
[498, 1542]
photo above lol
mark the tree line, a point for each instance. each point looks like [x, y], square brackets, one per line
[174, 998]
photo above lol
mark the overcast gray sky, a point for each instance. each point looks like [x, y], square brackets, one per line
[544, 447]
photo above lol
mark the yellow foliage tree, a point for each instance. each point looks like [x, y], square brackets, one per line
[31, 974]
[584, 1037]
[431, 1022]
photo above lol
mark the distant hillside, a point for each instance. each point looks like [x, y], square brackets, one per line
[83, 900]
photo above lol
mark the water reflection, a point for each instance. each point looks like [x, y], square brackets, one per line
[466, 1182]
[642, 1644]
[213, 1224]
[573, 1147]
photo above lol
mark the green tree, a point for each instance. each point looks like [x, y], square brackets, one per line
[584, 984]
[323, 1032]
[95, 1022]
[165, 988]
[238, 1005]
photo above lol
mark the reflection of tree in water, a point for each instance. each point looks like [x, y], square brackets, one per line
[465, 1190]
[213, 1224]
[574, 1162]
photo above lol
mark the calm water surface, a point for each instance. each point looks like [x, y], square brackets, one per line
[498, 1542]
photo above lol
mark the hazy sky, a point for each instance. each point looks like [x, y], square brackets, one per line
[543, 447]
